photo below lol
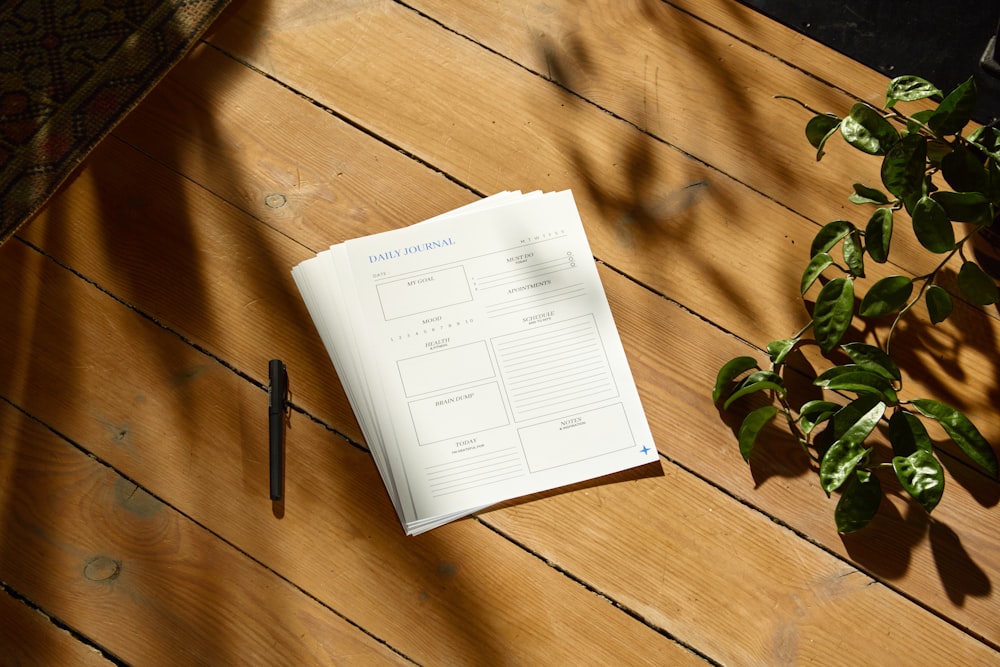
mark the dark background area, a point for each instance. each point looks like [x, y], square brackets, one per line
[942, 41]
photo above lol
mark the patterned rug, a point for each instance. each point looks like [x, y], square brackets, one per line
[69, 71]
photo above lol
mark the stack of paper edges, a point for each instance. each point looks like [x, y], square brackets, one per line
[479, 354]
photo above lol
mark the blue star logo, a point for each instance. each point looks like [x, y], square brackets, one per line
[645, 449]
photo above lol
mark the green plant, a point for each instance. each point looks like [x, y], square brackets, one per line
[937, 177]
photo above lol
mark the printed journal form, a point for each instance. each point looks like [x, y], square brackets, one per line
[479, 355]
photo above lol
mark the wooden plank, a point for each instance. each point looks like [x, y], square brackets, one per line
[696, 87]
[747, 24]
[29, 637]
[688, 280]
[210, 272]
[945, 563]
[677, 265]
[141, 579]
[544, 132]
[279, 157]
[182, 383]
[641, 316]
[192, 433]
[795, 501]
[759, 601]
[681, 254]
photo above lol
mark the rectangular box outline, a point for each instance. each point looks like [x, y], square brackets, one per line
[604, 354]
[527, 458]
[486, 351]
[468, 291]
[482, 429]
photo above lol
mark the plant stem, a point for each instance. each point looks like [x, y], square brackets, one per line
[892, 114]
[800, 103]
[928, 280]
[794, 429]
[804, 329]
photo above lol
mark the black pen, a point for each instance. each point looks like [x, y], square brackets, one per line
[277, 394]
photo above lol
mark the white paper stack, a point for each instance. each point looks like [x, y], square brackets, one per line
[479, 354]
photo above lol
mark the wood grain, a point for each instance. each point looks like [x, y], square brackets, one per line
[140, 315]
[642, 338]
[230, 244]
[684, 277]
[613, 167]
[547, 137]
[720, 108]
[192, 432]
[29, 637]
[134, 575]
[683, 261]
[770, 600]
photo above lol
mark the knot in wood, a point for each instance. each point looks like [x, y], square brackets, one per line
[275, 200]
[102, 568]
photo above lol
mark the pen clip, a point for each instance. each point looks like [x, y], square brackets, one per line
[277, 387]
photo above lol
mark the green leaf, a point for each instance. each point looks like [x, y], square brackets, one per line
[849, 427]
[752, 388]
[817, 265]
[955, 110]
[873, 359]
[762, 376]
[833, 312]
[813, 413]
[903, 167]
[819, 129]
[859, 381]
[921, 475]
[976, 284]
[845, 421]
[909, 88]
[878, 234]
[829, 235]
[963, 171]
[937, 150]
[859, 502]
[960, 429]
[839, 461]
[986, 138]
[971, 207]
[932, 226]
[759, 381]
[867, 130]
[907, 434]
[886, 296]
[854, 256]
[779, 349]
[866, 195]
[918, 119]
[751, 427]
[834, 371]
[731, 370]
[939, 303]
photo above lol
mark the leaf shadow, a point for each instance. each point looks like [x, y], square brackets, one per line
[778, 454]
[650, 204]
[885, 546]
[961, 576]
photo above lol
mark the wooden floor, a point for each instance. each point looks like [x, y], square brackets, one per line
[139, 311]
